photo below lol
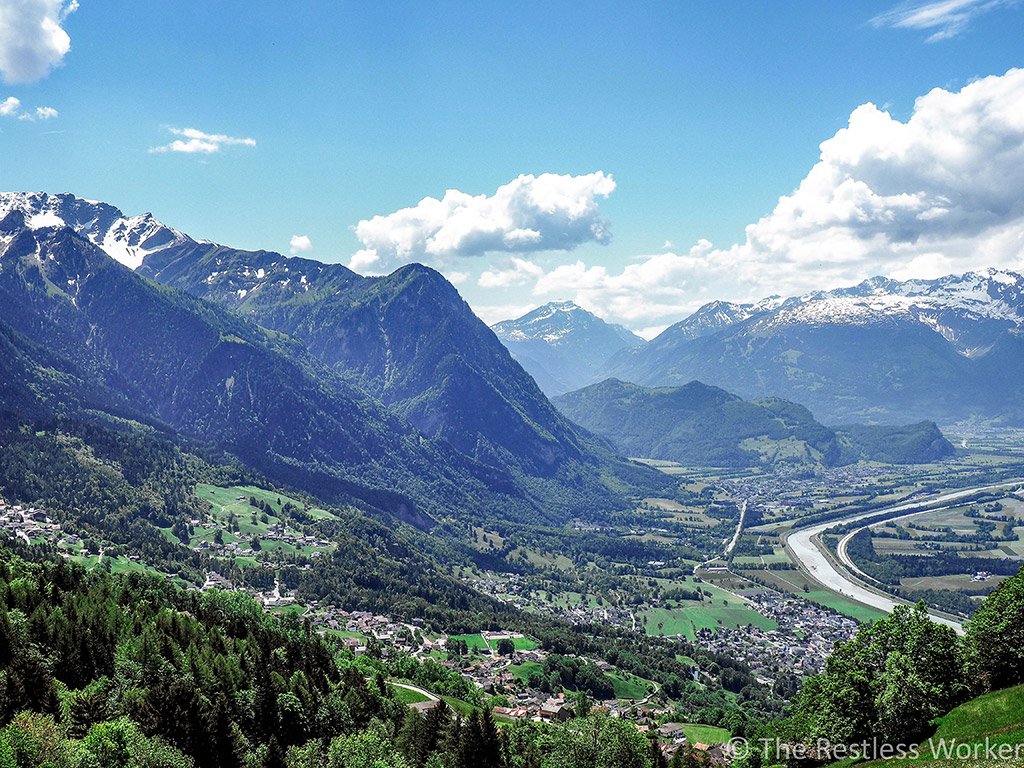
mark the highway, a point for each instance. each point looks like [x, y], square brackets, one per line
[739, 530]
[729, 547]
[811, 557]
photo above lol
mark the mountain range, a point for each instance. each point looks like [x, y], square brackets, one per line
[883, 351]
[386, 390]
[563, 345]
[701, 425]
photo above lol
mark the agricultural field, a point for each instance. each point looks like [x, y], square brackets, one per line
[686, 617]
[958, 581]
[706, 734]
[233, 520]
[472, 641]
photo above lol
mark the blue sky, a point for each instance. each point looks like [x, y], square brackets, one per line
[703, 114]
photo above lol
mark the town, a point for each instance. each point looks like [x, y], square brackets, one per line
[805, 636]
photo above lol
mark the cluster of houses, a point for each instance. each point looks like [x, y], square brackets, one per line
[806, 636]
[32, 524]
[204, 541]
[517, 592]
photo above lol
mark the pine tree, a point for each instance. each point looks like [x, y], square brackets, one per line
[489, 754]
[275, 757]
[657, 756]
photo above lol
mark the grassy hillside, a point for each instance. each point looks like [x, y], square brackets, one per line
[994, 721]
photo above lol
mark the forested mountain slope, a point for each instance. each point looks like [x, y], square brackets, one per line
[701, 425]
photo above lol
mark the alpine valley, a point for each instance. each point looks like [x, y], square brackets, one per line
[262, 511]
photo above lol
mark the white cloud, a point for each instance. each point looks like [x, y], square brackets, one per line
[456, 278]
[194, 141]
[300, 244]
[32, 38]
[549, 212]
[651, 331]
[495, 313]
[947, 17]
[515, 271]
[940, 193]
[652, 288]
[11, 107]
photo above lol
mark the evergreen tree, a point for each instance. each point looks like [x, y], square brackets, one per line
[657, 757]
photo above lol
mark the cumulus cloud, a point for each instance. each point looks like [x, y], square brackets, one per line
[32, 38]
[663, 285]
[300, 244]
[516, 271]
[947, 17]
[11, 107]
[193, 141]
[456, 277]
[550, 212]
[940, 193]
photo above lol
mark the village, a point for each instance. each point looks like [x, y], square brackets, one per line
[806, 633]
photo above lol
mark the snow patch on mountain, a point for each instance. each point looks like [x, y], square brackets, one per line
[557, 322]
[128, 239]
[563, 345]
[959, 307]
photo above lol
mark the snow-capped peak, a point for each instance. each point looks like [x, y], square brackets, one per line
[558, 320]
[128, 239]
[952, 306]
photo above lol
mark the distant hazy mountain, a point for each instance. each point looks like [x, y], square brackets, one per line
[407, 340]
[562, 345]
[882, 351]
[701, 425]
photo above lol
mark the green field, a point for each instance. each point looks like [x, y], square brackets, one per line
[405, 696]
[295, 609]
[524, 670]
[705, 734]
[534, 557]
[991, 720]
[473, 641]
[629, 686]
[460, 706]
[686, 621]
[524, 643]
[954, 581]
[226, 499]
[725, 609]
